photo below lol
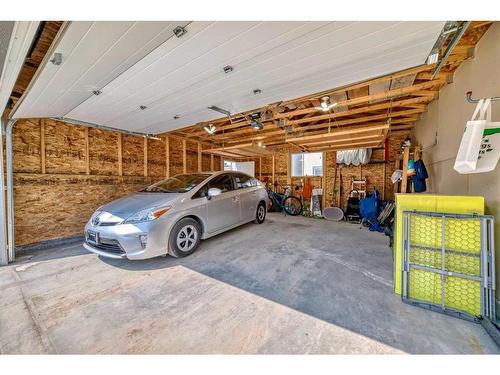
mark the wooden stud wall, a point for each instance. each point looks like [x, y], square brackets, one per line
[63, 172]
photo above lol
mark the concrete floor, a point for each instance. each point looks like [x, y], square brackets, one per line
[291, 285]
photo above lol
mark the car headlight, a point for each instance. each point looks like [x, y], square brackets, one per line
[146, 215]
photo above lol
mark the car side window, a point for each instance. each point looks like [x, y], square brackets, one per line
[203, 192]
[223, 182]
[243, 181]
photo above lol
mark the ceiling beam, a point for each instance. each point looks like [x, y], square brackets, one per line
[355, 139]
[381, 95]
[311, 118]
[359, 120]
[388, 77]
[376, 128]
[281, 138]
[347, 146]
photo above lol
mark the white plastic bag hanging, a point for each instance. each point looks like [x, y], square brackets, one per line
[354, 157]
[480, 146]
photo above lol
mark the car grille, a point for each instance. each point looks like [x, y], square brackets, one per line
[107, 223]
[109, 246]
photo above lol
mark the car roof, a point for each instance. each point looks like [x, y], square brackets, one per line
[215, 173]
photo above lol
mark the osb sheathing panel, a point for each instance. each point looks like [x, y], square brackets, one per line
[133, 155]
[156, 157]
[205, 163]
[330, 158]
[103, 152]
[26, 145]
[266, 168]
[65, 148]
[57, 206]
[175, 152]
[217, 163]
[191, 157]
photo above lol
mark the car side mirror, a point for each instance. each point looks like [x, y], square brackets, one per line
[213, 192]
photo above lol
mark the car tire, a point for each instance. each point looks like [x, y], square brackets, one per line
[184, 238]
[260, 214]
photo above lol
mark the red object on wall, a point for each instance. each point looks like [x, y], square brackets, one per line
[307, 190]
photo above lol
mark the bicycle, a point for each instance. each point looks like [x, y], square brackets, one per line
[286, 202]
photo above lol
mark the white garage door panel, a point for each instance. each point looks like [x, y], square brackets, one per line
[76, 64]
[189, 50]
[259, 60]
[142, 63]
[115, 91]
[140, 39]
[203, 68]
[93, 53]
[67, 45]
[280, 76]
[303, 50]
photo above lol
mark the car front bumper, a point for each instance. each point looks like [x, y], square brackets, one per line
[123, 241]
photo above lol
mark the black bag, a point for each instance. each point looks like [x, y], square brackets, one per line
[352, 213]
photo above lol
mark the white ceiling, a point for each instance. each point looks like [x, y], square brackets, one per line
[143, 63]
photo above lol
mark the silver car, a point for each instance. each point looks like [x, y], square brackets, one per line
[173, 215]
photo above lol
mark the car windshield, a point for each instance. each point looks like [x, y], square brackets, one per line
[178, 184]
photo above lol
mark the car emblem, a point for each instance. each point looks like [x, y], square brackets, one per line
[95, 221]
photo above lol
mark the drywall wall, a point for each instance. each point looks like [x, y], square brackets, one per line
[440, 129]
[63, 172]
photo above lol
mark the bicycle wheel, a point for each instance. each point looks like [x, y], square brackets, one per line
[292, 206]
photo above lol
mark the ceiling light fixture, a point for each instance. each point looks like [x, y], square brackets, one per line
[255, 121]
[256, 125]
[325, 105]
[210, 129]
[228, 69]
[180, 31]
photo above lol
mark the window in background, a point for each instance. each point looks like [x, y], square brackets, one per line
[307, 164]
[229, 165]
[247, 167]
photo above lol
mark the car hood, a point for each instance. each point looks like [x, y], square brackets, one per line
[124, 207]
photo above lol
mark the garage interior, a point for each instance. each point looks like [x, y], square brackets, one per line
[103, 109]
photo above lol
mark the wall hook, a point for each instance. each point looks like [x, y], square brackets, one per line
[470, 99]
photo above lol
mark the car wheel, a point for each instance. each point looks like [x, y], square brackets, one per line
[260, 215]
[184, 238]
